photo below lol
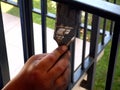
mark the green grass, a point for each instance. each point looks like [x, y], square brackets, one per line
[101, 69]
[116, 82]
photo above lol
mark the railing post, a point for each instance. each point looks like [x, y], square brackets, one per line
[4, 68]
[27, 27]
[43, 21]
[84, 40]
[113, 56]
[93, 51]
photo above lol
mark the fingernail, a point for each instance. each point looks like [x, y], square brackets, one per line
[64, 48]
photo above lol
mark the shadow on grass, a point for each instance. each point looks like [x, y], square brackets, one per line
[14, 11]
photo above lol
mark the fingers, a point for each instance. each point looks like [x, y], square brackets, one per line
[50, 60]
[40, 56]
[36, 57]
[51, 71]
[63, 80]
[59, 68]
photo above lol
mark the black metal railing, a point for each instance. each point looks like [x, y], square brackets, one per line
[4, 68]
[99, 11]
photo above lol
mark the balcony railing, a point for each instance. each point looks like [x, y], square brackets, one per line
[98, 10]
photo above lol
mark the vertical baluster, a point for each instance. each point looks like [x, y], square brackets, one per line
[43, 18]
[112, 23]
[4, 68]
[78, 31]
[113, 56]
[94, 36]
[93, 50]
[103, 32]
[27, 27]
[72, 50]
[111, 27]
[104, 28]
[114, 1]
[84, 38]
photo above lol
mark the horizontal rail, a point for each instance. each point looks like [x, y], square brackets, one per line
[10, 2]
[87, 5]
[49, 15]
[95, 7]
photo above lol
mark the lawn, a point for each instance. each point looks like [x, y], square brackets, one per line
[101, 69]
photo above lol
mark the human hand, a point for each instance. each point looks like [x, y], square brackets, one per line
[44, 72]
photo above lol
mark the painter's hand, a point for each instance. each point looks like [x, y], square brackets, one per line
[46, 72]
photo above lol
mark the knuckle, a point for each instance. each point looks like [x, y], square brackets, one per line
[67, 55]
[59, 51]
[65, 62]
[33, 56]
[62, 84]
[60, 69]
[33, 75]
[52, 57]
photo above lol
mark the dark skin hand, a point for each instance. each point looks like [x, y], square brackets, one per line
[44, 72]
